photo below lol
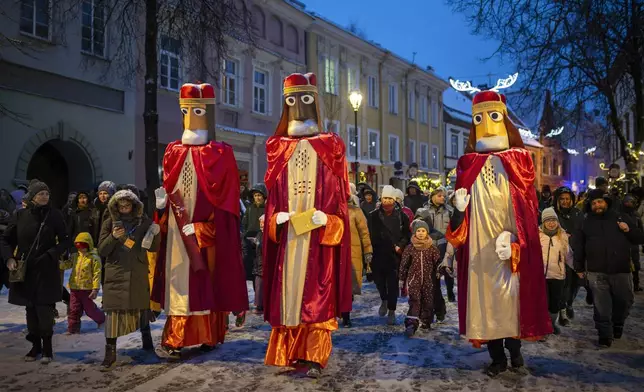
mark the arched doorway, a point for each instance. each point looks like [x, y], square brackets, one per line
[63, 166]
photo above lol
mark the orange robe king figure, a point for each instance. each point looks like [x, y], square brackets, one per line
[501, 286]
[199, 275]
[307, 255]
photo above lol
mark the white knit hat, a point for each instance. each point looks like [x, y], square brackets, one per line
[388, 191]
[400, 195]
[548, 213]
[352, 189]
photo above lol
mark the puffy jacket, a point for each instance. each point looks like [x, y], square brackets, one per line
[86, 268]
[360, 245]
[556, 254]
[436, 217]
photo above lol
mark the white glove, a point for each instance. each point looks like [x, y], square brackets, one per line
[504, 245]
[283, 217]
[461, 199]
[319, 218]
[11, 264]
[161, 198]
[154, 229]
[188, 229]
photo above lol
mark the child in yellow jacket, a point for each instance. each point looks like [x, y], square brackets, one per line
[84, 283]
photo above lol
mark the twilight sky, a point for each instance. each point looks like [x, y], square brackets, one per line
[440, 38]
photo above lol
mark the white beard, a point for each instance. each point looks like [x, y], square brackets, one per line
[303, 128]
[492, 143]
[194, 137]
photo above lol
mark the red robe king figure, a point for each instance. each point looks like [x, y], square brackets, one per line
[501, 296]
[307, 275]
[199, 275]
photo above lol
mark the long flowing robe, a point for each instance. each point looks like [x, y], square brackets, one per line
[307, 277]
[490, 305]
[197, 291]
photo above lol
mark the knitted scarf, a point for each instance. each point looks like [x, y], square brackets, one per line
[421, 244]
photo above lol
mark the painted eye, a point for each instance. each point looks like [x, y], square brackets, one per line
[496, 116]
[477, 118]
[199, 111]
[307, 99]
[184, 111]
[290, 101]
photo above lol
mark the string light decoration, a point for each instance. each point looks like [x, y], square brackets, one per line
[468, 88]
[427, 184]
[572, 151]
[590, 151]
[527, 134]
[555, 132]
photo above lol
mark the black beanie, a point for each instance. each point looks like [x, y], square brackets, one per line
[36, 186]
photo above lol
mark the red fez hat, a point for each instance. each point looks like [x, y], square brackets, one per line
[197, 94]
[297, 83]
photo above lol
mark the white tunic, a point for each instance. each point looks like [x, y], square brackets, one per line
[177, 267]
[492, 292]
[302, 173]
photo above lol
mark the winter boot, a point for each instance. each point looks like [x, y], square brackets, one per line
[168, 353]
[555, 327]
[146, 340]
[618, 331]
[109, 362]
[315, 370]
[391, 317]
[496, 368]
[570, 312]
[383, 309]
[589, 296]
[346, 320]
[36, 348]
[563, 318]
[499, 360]
[47, 351]
[450, 296]
[605, 342]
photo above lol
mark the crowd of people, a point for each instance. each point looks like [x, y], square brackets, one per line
[306, 239]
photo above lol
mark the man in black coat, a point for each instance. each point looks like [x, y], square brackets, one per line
[570, 219]
[602, 253]
[389, 231]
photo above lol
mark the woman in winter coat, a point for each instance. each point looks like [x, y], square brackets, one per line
[37, 236]
[418, 265]
[361, 250]
[556, 255]
[126, 291]
[369, 200]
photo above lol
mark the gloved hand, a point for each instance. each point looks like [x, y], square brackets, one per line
[161, 198]
[12, 264]
[319, 218]
[283, 217]
[461, 199]
[154, 229]
[446, 268]
[188, 229]
[93, 294]
[504, 246]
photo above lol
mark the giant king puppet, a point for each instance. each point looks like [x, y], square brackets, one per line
[307, 261]
[199, 275]
[502, 290]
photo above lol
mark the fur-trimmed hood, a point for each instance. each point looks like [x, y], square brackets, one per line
[125, 194]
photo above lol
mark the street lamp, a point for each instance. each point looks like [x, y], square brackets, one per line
[355, 97]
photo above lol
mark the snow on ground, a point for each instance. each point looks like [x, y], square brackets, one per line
[369, 357]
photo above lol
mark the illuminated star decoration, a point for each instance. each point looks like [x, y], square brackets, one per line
[590, 150]
[555, 132]
[572, 151]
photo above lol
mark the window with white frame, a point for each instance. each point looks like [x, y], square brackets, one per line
[454, 146]
[466, 138]
[434, 157]
[374, 144]
[332, 126]
[393, 148]
[353, 81]
[412, 104]
[260, 91]
[331, 75]
[170, 59]
[411, 153]
[422, 109]
[393, 98]
[424, 155]
[230, 82]
[35, 18]
[373, 93]
[351, 141]
[434, 113]
[93, 27]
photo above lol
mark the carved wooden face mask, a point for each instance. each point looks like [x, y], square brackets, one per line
[302, 114]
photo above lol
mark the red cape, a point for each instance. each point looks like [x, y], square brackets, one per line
[534, 319]
[327, 289]
[217, 197]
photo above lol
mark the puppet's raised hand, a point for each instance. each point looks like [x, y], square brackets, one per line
[461, 199]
